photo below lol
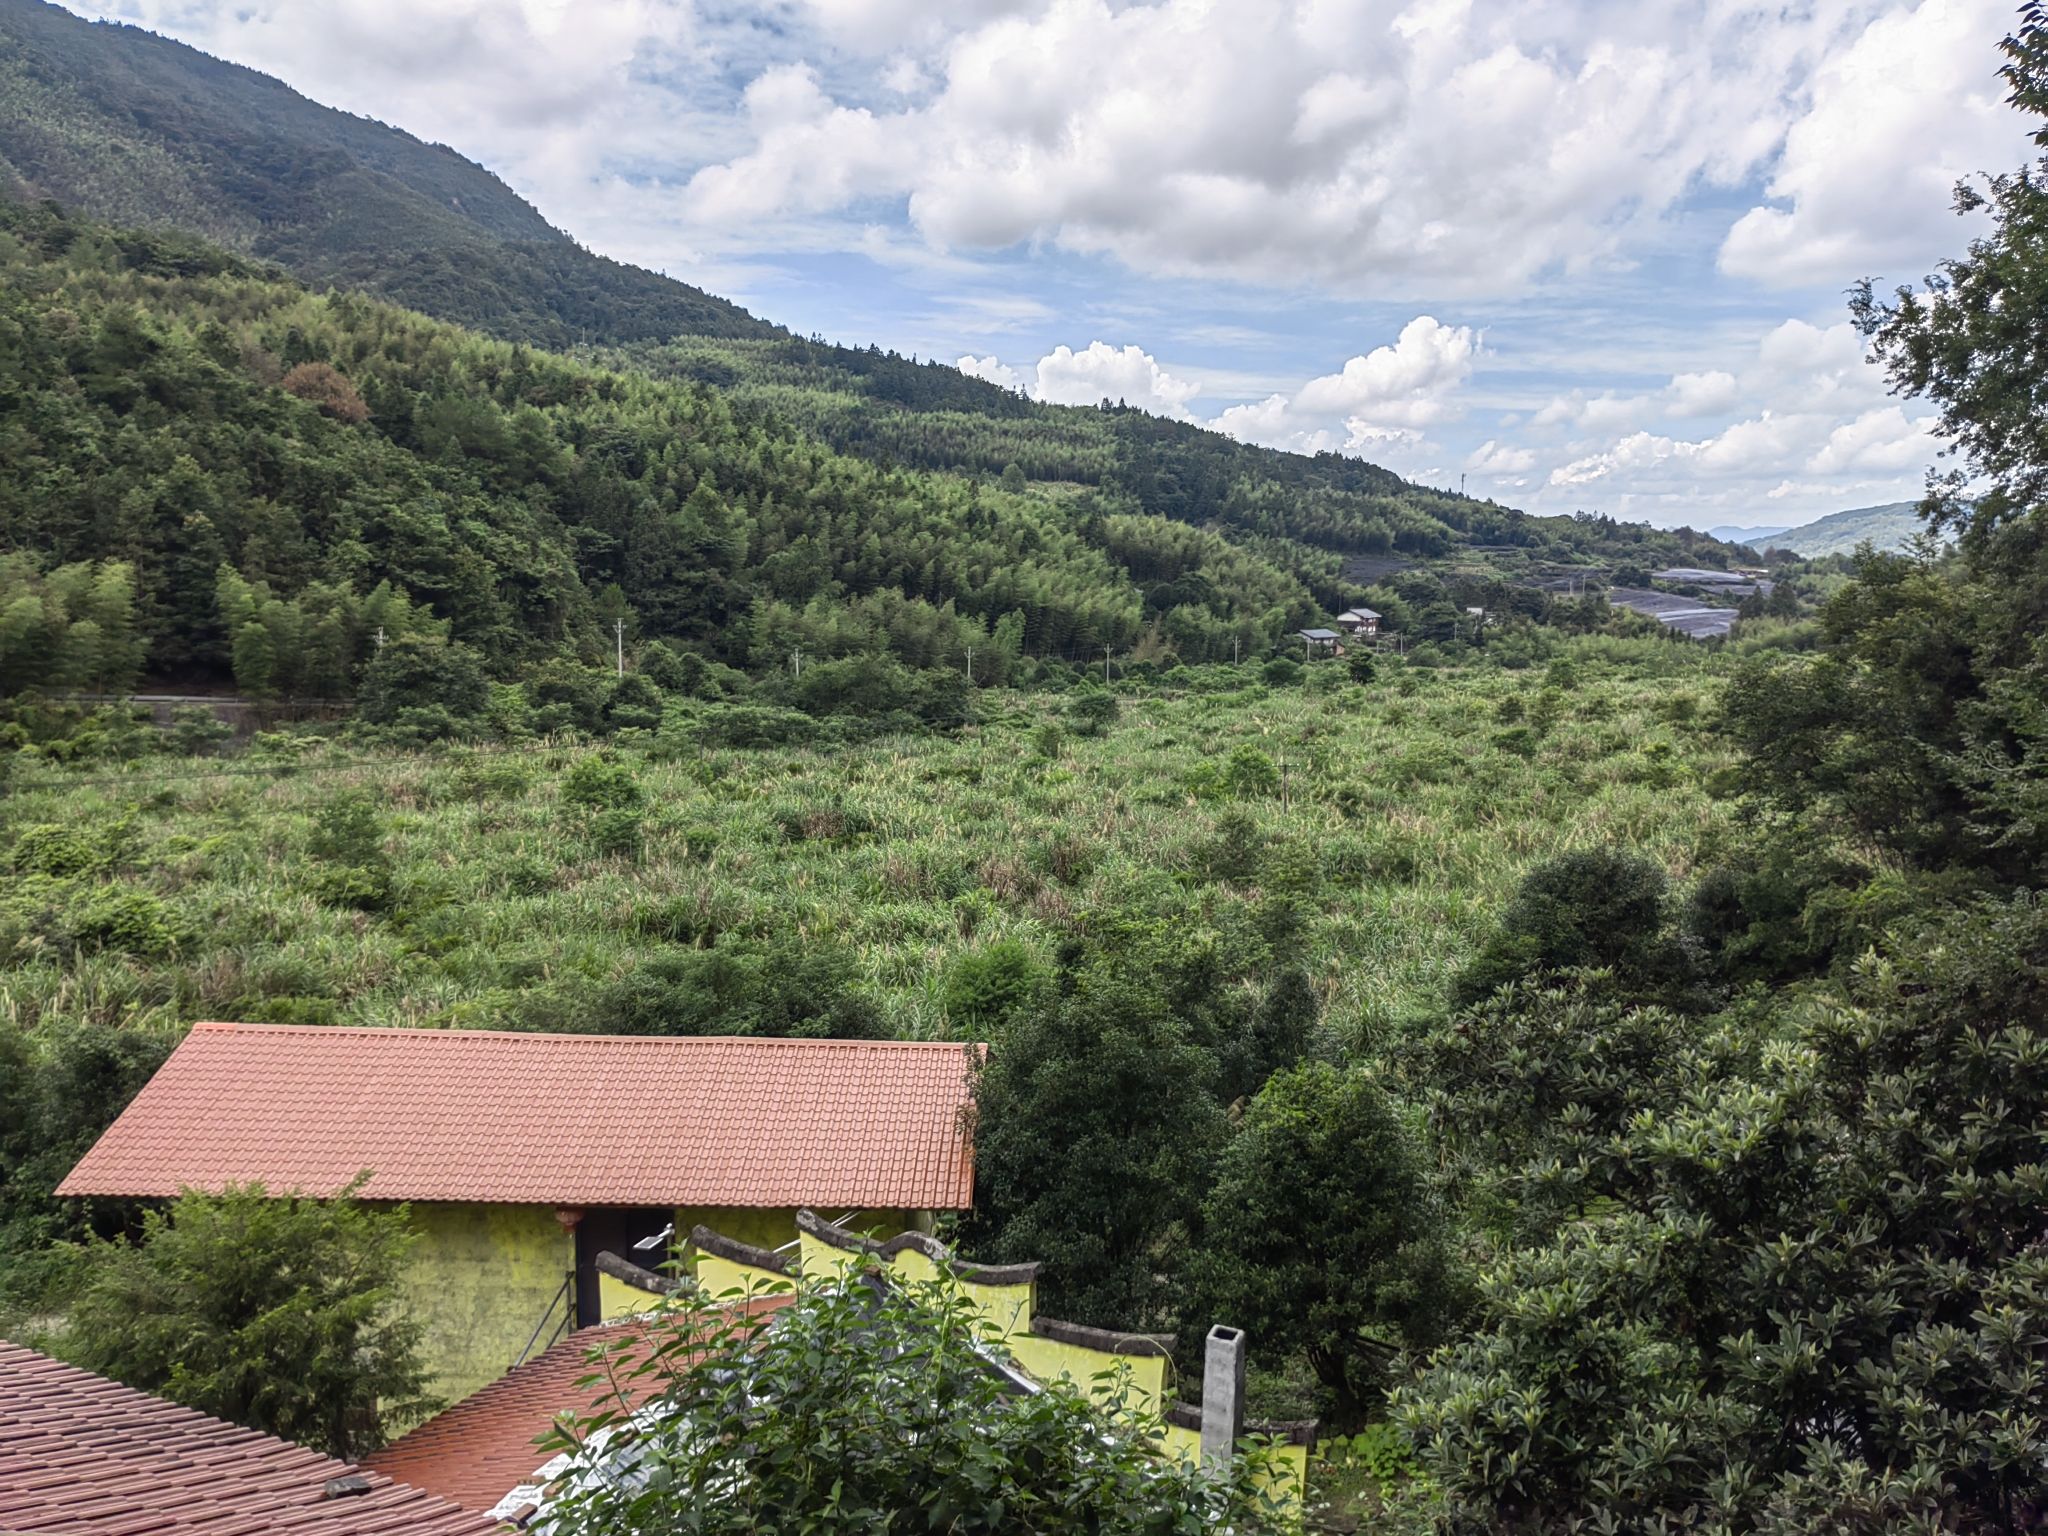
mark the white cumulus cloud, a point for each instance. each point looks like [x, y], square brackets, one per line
[1896, 118]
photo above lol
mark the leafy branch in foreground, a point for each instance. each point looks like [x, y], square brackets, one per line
[864, 1405]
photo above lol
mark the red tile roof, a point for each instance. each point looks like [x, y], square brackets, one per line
[482, 1448]
[474, 1115]
[81, 1454]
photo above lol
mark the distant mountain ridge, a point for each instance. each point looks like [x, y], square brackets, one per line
[139, 130]
[1887, 527]
[1735, 535]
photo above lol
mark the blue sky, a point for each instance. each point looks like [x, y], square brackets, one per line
[1580, 255]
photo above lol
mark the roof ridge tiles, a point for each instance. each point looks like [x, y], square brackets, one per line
[804, 1042]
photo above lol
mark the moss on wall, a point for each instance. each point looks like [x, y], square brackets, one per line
[482, 1276]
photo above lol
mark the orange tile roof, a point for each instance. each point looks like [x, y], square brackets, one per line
[84, 1456]
[479, 1450]
[475, 1115]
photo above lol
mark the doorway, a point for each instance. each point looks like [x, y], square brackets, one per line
[613, 1230]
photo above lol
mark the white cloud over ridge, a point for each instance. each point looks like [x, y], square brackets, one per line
[1127, 375]
[1388, 158]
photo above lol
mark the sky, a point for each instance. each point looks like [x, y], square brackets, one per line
[1571, 254]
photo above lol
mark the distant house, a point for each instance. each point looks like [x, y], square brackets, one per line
[1359, 621]
[81, 1453]
[1319, 642]
[529, 1158]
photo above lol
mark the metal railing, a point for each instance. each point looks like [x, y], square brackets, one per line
[564, 1298]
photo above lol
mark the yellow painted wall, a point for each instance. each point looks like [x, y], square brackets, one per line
[480, 1279]
[1289, 1482]
[1051, 1359]
[1008, 1311]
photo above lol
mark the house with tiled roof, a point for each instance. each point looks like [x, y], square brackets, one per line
[530, 1160]
[84, 1456]
[488, 1451]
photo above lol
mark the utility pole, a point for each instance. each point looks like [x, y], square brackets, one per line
[619, 638]
[380, 637]
[1105, 666]
[1233, 650]
[970, 666]
[796, 663]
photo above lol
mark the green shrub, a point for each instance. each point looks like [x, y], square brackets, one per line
[600, 782]
[1281, 672]
[1250, 774]
[1600, 907]
[616, 833]
[130, 921]
[986, 986]
[1092, 710]
[45, 849]
[196, 730]
[872, 1406]
[279, 1313]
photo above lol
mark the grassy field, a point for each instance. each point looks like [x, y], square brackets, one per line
[1402, 811]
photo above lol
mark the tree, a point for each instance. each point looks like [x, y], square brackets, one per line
[865, 1405]
[1092, 710]
[417, 674]
[1095, 1123]
[327, 387]
[1321, 1233]
[1596, 907]
[277, 1312]
[1810, 1296]
[1921, 723]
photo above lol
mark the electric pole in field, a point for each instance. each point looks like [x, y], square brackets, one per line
[1105, 666]
[796, 663]
[970, 666]
[619, 639]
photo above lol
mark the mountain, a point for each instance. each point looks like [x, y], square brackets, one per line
[668, 461]
[1755, 537]
[1887, 527]
[139, 130]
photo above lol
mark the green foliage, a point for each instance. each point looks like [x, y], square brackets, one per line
[1092, 710]
[1282, 672]
[423, 686]
[196, 731]
[347, 845]
[74, 628]
[1094, 1126]
[1321, 1233]
[787, 988]
[1810, 1296]
[275, 1312]
[600, 782]
[868, 1406]
[59, 1090]
[45, 849]
[986, 987]
[1599, 907]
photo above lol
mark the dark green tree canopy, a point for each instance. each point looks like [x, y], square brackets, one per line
[280, 1313]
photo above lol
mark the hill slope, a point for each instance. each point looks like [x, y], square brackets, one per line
[1888, 527]
[139, 130]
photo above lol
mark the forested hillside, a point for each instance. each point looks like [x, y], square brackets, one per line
[216, 475]
[179, 412]
[139, 130]
[134, 129]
